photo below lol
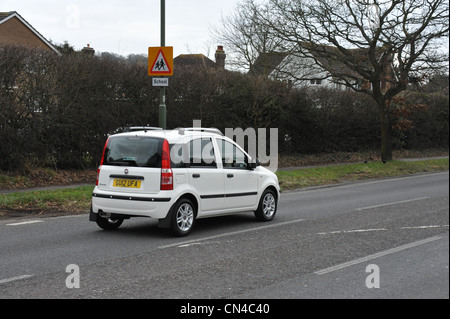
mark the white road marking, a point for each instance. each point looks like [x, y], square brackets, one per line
[392, 203]
[25, 223]
[378, 229]
[424, 227]
[377, 255]
[4, 281]
[187, 245]
[195, 241]
[351, 231]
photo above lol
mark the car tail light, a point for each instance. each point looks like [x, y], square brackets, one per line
[101, 161]
[166, 171]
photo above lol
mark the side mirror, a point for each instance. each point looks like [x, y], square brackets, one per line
[253, 165]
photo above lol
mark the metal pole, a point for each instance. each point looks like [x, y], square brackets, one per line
[163, 23]
[162, 90]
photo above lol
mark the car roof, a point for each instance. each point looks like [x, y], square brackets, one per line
[178, 135]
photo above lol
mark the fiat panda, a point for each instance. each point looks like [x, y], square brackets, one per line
[178, 176]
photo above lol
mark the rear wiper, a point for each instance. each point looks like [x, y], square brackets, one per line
[123, 163]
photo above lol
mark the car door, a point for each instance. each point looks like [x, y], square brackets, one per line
[241, 182]
[204, 176]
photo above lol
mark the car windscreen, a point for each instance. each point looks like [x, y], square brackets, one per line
[133, 151]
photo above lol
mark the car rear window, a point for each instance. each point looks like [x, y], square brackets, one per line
[134, 151]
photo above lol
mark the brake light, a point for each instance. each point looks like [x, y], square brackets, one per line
[166, 171]
[101, 161]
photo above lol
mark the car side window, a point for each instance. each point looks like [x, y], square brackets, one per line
[201, 153]
[177, 156]
[232, 156]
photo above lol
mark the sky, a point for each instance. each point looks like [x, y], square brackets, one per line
[125, 27]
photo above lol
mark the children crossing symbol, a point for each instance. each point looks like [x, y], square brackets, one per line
[160, 64]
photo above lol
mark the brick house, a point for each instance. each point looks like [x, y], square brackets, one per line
[15, 30]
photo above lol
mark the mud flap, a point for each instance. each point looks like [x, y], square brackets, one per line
[92, 216]
[165, 223]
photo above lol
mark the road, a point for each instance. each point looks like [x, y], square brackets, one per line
[386, 238]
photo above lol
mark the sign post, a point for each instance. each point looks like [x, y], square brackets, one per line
[162, 92]
[160, 63]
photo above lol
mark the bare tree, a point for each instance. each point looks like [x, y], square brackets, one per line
[371, 46]
[243, 37]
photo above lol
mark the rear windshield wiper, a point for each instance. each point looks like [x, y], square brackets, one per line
[123, 163]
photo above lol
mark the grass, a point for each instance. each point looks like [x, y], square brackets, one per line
[70, 199]
[77, 200]
[350, 172]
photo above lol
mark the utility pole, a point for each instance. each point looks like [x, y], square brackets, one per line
[162, 90]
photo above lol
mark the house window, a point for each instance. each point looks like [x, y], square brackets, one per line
[317, 82]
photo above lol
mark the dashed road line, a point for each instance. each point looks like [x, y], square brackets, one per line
[195, 241]
[377, 255]
[351, 231]
[25, 223]
[4, 281]
[424, 227]
[379, 229]
[393, 203]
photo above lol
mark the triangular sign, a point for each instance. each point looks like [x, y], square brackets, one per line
[160, 65]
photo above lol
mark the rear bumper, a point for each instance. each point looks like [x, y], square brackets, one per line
[132, 204]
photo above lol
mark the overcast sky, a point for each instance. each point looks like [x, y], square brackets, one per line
[125, 27]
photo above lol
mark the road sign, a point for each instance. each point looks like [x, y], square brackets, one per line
[160, 82]
[160, 61]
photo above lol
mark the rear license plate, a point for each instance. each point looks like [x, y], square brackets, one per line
[129, 183]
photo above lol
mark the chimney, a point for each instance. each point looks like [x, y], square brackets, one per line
[88, 50]
[220, 57]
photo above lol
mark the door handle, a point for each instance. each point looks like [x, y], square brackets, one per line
[230, 175]
[196, 175]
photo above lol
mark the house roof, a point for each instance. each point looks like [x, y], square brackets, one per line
[6, 16]
[194, 60]
[267, 62]
[330, 58]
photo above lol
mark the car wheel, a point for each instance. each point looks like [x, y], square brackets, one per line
[267, 207]
[183, 217]
[109, 223]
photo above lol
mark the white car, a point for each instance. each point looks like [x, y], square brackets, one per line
[177, 176]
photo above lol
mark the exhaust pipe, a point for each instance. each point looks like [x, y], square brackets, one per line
[103, 214]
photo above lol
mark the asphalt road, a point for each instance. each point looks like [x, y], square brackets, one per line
[385, 238]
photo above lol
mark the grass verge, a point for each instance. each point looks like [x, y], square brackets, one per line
[77, 200]
[317, 176]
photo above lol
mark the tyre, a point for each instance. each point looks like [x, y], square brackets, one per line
[267, 207]
[183, 217]
[109, 223]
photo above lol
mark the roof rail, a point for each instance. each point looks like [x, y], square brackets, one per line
[182, 130]
[142, 128]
